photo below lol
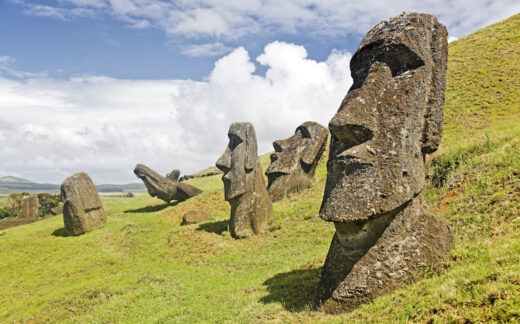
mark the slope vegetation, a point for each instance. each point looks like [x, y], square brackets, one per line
[144, 267]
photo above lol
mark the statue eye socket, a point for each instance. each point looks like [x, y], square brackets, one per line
[399, 58]
[234, 141]
[304, 132]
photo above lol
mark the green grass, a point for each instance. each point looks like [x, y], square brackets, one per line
[144, 267]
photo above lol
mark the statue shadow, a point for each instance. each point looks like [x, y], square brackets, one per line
[217, 227]
[295, 290]
[151, 209]
[60, 232]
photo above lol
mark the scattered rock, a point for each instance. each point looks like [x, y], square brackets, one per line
[195, 216]
[82, 210]
[244, 186]
[28, 207]
[57, 210]
[295, 159]
[389, 120]
[165, 188]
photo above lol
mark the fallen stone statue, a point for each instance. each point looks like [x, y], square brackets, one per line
[295, 159]
[165, 188]
[82, 210]
[244, 186]
[389, 120]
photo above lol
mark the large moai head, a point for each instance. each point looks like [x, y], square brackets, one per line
[165, 188]
[244, 186]
[239, 160]
[390, 118]
[295, 159]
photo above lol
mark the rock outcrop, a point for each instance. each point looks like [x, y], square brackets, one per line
[389, 120]
[165, 188]
[82, 209]
[295, 159]
[28, 207]
[195, 216]
[244, 186]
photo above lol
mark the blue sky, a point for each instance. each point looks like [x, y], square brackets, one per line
[101, 85]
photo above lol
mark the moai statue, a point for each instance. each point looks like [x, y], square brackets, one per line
[389, 120]
[82, 210]
[165, 188]
[244, 186]
[28, 207]
[295, 160]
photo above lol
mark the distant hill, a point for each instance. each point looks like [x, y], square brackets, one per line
[10, 184]
[14, 179]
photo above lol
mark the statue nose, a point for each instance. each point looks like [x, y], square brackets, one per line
[350, 134]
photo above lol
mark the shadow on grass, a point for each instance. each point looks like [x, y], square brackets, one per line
[151, 209]
[295, 290]
[214, 227]
[61, 232]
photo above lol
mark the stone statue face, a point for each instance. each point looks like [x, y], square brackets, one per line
[296, 157]
[389, 119]
[239, 160]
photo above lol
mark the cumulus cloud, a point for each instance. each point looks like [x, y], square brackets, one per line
[52, 128]
[229, 20]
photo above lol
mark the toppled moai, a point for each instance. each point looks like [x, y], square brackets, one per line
[82, 208]
[244, 186]
[28, 207]
[165, 188]
[295, 159]
[389, 120]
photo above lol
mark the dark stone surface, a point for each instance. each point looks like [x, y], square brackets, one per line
[244, 186]
[389, 120]
[82, 209]
[174, 175]
[28, 207]
[163, 188]
[295, 159]
[57, 210]
[195, 216]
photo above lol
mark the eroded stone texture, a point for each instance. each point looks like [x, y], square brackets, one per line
[195, 216]
[28, 207]
[82, 208]
[163, 188]
[295, 159]
[57, 210]
[244, 186]
[389, 120]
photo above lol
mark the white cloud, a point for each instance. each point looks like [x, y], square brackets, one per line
[230, 20]
[452, 39]
[207, 49]
[52, 128]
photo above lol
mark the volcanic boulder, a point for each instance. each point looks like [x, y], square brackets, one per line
[82, 210]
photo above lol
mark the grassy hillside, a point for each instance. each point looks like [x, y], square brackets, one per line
[144, 267]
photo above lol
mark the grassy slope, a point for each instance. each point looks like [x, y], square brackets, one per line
[142, 266]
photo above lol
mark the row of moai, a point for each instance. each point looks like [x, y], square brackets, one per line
[390, 119]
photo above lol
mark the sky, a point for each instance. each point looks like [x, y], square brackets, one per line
[101, 85]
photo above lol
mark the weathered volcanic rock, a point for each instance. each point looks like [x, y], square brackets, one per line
[389, 120]
[174, 175]
[295, 159]
[57, 210]
[82, 210]
[244, 186]
[28, 207]
[195, 216]
[165, 188]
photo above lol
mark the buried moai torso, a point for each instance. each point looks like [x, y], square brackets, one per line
[295, 159]
[244, 186]
[165, 188]
[389, 120]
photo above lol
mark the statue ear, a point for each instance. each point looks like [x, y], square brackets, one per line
[251, 148]
[318, 141]
[433, 116]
